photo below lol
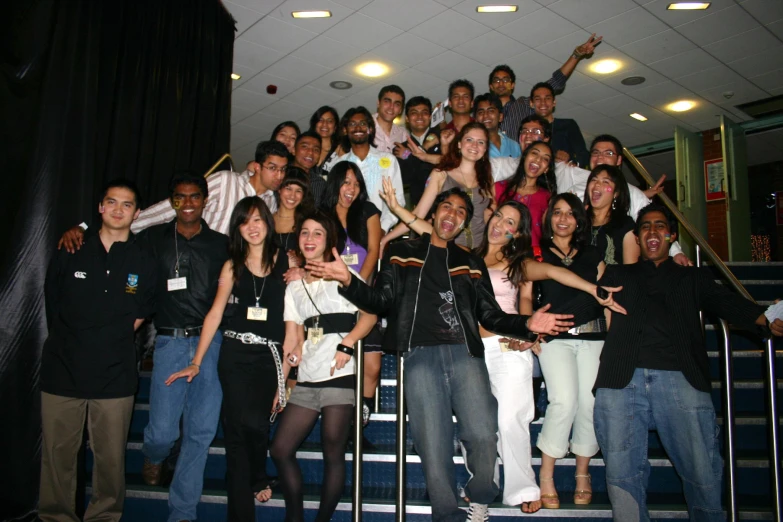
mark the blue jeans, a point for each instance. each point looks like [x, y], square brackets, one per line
[198, 403]
[685, 420]
[439, 379]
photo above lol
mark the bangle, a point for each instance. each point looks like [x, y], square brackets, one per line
[345, 349]
[412, 221]
[196, 365]
[578, 55]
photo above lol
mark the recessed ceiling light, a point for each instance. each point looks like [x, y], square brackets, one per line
[637, 116]
[681, 106]
[496, 9]
[688, 6]
[311, 14]
[235, 76]
[605, 66]
[372, 69]
[340, 85]
[633, 80]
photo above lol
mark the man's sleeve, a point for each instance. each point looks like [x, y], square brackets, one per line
[376, 300]
[388, 219]
[503, 168]
[726, 303]
[578, 146]
[156, 214]
[52, 287]
[638, 201]
[146, 300]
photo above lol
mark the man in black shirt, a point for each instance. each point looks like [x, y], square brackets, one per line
[421, 153]
[189, 256]
[435, 295]
[95, 300]
[306, 153]
[654, 373]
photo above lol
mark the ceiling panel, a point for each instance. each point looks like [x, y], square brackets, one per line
[327, 52]
[296, 70]
[408, 49]
[718, 25]
[765, 10]
[315, 25]
[400, 13]
[686, 63]
[323, 82]
[250, 100]
[254, 57]
[362, 31]
[589, 13]
[491, 48]
[538, 28]
[628, 27]
[658, 47]
[278, 35]
[733, 48]
[589, 93]
[769, 80]
[444, 65]
[495, 20]
[449, 29]
[768, 59]
[714, 77]
[307, 94]
[243, 16]
[561, 48]
[261, 81]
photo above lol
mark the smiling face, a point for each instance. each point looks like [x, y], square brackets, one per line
[605, 153]
[287, 136]
[537, 160]
[326, 125]
[358, 129]
[543, 102]
[460, 100]
[307, 152]
[291, 196]
[254, 230]
[562, 221]
[652, 238]
[349, 190]
[489, 115]
[601, 190]
[118, 208]
[419, 118]
[449, 218]
[503, 226]
[389, 106]
[501, 84]
[473, 145]
[312, 240]
[188, 203]
[531, 132]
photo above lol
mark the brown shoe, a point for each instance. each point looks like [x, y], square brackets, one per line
[151, 473]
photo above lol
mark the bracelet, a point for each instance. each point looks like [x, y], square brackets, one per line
[412, 221]
[345, 349]
[577, 54]
[196, 365]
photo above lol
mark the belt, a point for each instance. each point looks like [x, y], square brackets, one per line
[251, 338]
[332, 323]
[180, 332]
[594, 326]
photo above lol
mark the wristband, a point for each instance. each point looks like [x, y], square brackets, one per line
[196, 365]
[412, 221]
[83, 226]
[345, 349]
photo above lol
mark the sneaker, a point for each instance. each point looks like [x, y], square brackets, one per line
[478, 512]
[365, 414]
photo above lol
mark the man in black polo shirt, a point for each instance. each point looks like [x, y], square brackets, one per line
[419, 155]
[654, 373]
[189, 256]
[95, 300]
[306, 153]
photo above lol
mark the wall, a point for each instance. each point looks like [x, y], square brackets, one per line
[716, 210]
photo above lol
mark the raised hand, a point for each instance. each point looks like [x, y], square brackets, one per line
[587, 49]
[388, 194]
[655, 189]
[334, 270]
[609, 301]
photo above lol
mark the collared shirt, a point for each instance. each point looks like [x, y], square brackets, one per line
[415, 172]
[198, 260]
[226, 188]
[93, 298]
[385, 142]
[375, 166]
[318, 184]
[656, 350]
[518, 109]
[508, 148]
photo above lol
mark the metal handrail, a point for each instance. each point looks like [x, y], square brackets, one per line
[356, 514]
[399, 500]
[728, 425]
[214, 167]
[772, 413]
[684, 223]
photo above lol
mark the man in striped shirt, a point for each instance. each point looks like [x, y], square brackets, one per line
[262, 178]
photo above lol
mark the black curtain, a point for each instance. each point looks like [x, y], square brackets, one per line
[91, 90]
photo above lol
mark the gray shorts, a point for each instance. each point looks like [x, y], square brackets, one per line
[318, 398]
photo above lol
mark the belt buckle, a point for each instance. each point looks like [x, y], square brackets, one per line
[185, 332]
[246, 338]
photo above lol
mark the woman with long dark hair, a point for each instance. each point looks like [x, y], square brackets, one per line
[507, 252]
[607, 200]
[294, 201]
[326, 123]
[570, 360]
[465, 165]
[533, 184]
[327, 373]
[251, 366]
[286, 133]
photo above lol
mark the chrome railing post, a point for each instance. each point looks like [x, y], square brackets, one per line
[356, 498]
[728, 424]
[698, 264]
[401, 439]
[773, 422]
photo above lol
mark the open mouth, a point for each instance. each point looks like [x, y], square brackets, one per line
[653, 245]
[533, 167]
[595, 195]
[308, 248]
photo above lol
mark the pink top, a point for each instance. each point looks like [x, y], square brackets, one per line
[537, 203]
[505, 291]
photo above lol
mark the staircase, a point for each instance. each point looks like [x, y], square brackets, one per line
[763, 280]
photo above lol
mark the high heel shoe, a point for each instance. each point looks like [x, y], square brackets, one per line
[583, 497]
[549, 500]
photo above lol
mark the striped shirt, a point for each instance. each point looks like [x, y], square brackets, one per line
[385, 142]
[226, 188]
[518, 109]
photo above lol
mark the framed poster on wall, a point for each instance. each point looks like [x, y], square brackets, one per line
[713, 179]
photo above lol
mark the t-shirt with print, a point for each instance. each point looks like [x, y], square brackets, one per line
[436, 320]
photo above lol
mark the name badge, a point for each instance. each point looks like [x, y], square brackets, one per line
[314, 335]
[350, 259]
[256, 313]
[177, 283]
[504, 347]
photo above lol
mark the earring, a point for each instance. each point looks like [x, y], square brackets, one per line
[459, 151]
[513, 246]
[614, 204]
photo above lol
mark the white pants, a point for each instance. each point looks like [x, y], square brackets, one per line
[570, 368]
[510, 377]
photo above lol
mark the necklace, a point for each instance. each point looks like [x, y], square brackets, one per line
[595, 231]
[258, 296]
[567, 259]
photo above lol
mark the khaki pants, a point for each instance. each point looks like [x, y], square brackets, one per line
[108, 422]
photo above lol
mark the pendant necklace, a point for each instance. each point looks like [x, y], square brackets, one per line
[567, 259]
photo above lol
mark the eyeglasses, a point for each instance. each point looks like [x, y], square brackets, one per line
[505, 79]
[354, 124]
[274, 168]
[535, 132]
[605, 153]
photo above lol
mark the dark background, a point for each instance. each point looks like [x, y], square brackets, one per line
[90, 91]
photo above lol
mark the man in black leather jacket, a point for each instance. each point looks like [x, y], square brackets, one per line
[435, 295]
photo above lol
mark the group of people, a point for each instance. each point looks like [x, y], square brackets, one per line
[523, 237]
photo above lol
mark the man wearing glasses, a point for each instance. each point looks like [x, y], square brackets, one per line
[502, 81]
[262, 178]
[359, 127]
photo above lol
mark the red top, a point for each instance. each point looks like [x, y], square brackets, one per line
[537, 203]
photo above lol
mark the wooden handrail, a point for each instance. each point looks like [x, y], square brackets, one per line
[218, 162]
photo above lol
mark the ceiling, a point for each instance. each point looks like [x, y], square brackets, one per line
[733, 46]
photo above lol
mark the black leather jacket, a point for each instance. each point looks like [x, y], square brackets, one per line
[397, 288]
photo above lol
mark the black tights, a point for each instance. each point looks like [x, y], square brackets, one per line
[295, 426]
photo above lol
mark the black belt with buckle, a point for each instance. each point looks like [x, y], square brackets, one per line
[180, 332]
